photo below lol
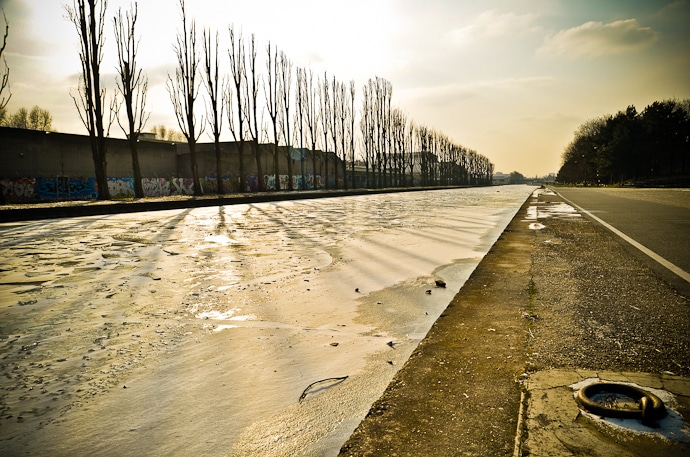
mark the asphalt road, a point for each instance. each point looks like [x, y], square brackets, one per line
[658, 219]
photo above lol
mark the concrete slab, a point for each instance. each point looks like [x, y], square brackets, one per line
[555, 426]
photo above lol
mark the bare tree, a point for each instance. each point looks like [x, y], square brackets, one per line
[351, 130]
[311, 117]
[386, 92]
[36, 119]
[133, 85]
[399, 124]
[19, 120]
[5, 75]
[376, 127]
[409, 160]
[161, 132]
[325, 116]
[183, 89]
[300, 100]
[215, 106]
[337, 126]
[285, 89]
[366, 123]
[4, 84]
[272, 104]
[238, 69]
[343, 108]
[251, 112]
[88, 17]
[422, 133]
[40, 119]
[379, 105]
[333, 126]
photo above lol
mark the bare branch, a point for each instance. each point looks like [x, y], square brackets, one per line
[131, 82]
[213, 82]
[5, 75]
[88, 18]
[183, 89]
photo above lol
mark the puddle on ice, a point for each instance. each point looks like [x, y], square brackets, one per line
[225, 316]
[217, 315]
[223, 240]
[224, 327]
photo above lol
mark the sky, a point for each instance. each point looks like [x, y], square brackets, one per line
[511, 79]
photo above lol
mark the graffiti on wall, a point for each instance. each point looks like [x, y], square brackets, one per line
[253, 183]
[64, 188]
[155, 187]
[183, 186]
[270, 182]
[18, 190]
[210, 184]
[313, 182]
[121, 187]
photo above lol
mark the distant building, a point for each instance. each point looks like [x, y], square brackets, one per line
[500, 179]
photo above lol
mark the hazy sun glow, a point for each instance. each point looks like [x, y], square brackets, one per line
[509, 79]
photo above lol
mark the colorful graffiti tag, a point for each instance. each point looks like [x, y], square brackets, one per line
[155, 187]
[121, 187]
[19, 190]
[64, 188]
[210, 183]
[183, 186]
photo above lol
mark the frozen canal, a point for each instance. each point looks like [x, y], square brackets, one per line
[198, 332]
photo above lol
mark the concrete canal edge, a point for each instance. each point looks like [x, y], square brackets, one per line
[61, 209]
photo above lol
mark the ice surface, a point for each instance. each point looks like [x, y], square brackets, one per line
[302, 291]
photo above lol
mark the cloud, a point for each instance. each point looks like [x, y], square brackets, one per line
[672, 8]
[491, 24]
[596, 39]
[450, 93]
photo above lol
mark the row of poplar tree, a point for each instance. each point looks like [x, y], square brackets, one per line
[304, 111]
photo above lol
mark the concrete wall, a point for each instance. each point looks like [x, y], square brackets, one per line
[38, 154]
[39, 165]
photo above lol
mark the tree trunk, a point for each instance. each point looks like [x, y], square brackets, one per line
[195, 168]
[243, 179]
[136, 169]
[259, 168]
[219, 167]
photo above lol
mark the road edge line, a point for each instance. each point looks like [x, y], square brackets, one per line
[653, 255]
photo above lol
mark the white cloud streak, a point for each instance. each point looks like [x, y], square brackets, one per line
[491, 24]
[596, 39]
[451, 93]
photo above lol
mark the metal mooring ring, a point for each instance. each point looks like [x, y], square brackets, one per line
[651, 407]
